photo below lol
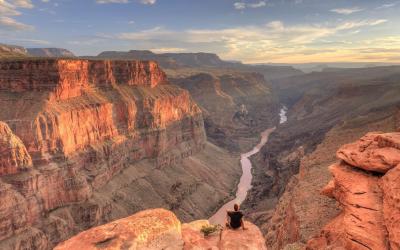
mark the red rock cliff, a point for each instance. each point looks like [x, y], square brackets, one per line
[67, 78]
[366, 184]
[75, 125]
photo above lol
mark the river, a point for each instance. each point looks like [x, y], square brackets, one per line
[245, 180]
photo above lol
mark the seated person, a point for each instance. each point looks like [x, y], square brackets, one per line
[235, 218]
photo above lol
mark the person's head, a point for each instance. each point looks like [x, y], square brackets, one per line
[236, 207]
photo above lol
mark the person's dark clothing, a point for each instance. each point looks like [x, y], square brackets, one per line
[235, 219]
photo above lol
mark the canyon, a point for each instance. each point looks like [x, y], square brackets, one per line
[85, 142]
[96, 143]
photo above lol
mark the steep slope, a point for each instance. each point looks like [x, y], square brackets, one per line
[93, 141]
[49, 52]
[236, 106]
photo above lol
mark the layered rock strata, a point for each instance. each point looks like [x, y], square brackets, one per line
[366, 184]
[87, 142]
[160, 229]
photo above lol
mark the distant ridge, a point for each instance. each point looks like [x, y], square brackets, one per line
[50, 52]
[200, 60]
[7, 51]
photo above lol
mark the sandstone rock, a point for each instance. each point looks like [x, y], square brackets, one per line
[391, 205]
[251, 238]
[371, 211]
[194, 239]
[66, 78]
[14, 157]
[227, 239]
[373, 152]
[151, 229]
[361, 223]
[160, 229]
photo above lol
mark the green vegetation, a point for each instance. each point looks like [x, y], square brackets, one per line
[210, 229]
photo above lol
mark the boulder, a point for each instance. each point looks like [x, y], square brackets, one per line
[149, 229]
[375, 152]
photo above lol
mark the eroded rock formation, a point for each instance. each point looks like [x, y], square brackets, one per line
[87, 142]
[364, 184]
[160, 229]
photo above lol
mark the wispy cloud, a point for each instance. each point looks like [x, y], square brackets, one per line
[272, 41]
[31, 41]
[147, 2]
[8, 10]
[11, 24]
[111, 1]
[23, 3]
[347, 11]
[243, 5]
[387, 5]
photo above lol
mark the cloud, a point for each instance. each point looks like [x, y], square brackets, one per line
[31, 41]
[9, 9]
[347, 11]
[149, 2]
[11, 24]
[111, 1]
[387, 6]
[242, 5]
[168, 50]
[23, 3]
[274, 41]
[239, 6]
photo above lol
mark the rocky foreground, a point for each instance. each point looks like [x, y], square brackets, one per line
[161, 229]
[366, 183]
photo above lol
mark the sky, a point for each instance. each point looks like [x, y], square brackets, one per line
[251, 31]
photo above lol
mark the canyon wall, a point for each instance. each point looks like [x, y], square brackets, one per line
[85, 142]
[237, 106]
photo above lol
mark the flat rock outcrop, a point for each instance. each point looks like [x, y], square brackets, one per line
[374, 152]
[87, 142]
[150, 229]
[160, 229]
[370, 210]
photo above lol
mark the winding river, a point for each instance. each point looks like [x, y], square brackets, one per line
[245, 180]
